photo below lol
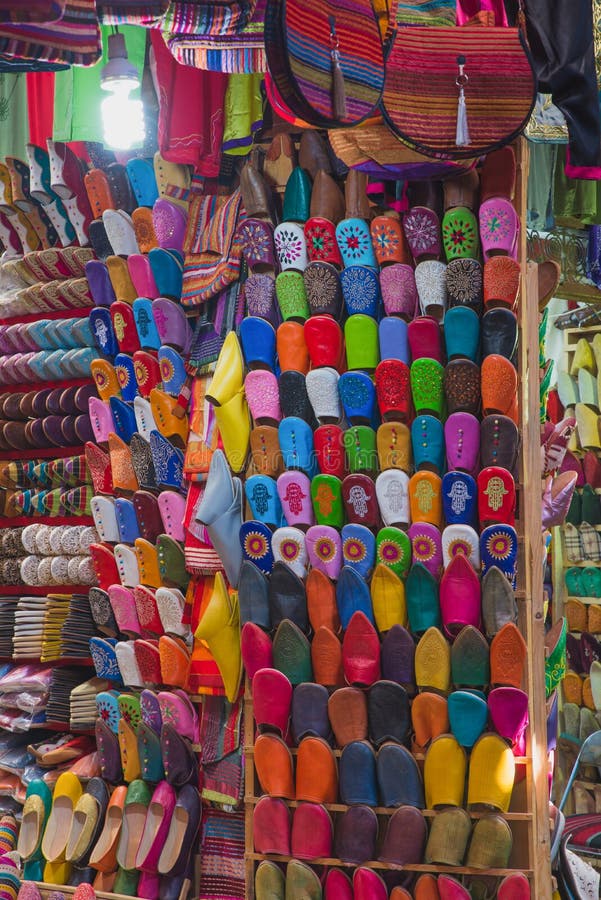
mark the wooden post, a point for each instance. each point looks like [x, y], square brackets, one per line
[533, 554]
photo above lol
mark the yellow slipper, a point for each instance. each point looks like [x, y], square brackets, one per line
[444, 772]
[388, 598]
[491, 774]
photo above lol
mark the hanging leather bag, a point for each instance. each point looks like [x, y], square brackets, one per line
[326, 59]
[458, 92]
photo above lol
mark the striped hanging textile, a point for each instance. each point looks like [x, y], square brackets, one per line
[131, 12]
[230, 50]
[425, 12]
[75, 39]
[31, 11]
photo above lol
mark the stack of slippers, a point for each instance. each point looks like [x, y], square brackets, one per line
[368, 419]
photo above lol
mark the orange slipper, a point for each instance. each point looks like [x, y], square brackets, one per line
[326, 658]
[124, 477]
[148, 563]
[175, 661]
[508, 653]
[425, 498]
[499, 380]
[347, 711]
[321, 602]
[572, 688]
[316, 771]
[273, 763]
[430, 719]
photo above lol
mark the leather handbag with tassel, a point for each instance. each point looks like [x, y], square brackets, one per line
[459, 92]
[326, 59]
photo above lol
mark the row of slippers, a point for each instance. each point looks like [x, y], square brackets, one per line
[144, 324]
[156, 274]
[264, 601]
[139, 612]
[47, 432]
[585, 507]
[56, 199]
[54, 264]
[153, 464]
[36, 571]
[23, 405]
[71, 471]
[135, 827]
[321, 548]
[271, 883]
[383, 714]
[293, 248]
[420, 235]
[457, 499]
[159, 273]
[583, 690]
[138, 373]
[400, 391]
[143, 662]
[353, 838]
[359, 659]
[582, 544]
[362, 345]
[33, 503]
[386, 600]
[316, 287]
[465, 334]
[44, 334]
[123, 419]
[153, 564]
[434, 288]
[46, 365]
[494, 386]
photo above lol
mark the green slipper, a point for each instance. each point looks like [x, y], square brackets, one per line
[292, 653]
[292, 299]
[574, 582]
[326, 497]
[270, 883]
[301, 882]
[393, 549]
[555, 662]
[362, 343]
[427, 387]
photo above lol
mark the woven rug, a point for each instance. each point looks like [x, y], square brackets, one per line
[222, 855]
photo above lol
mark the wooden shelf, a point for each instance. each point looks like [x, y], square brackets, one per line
[530, 825]
[390, 810]
[249, 751]
[376, 864]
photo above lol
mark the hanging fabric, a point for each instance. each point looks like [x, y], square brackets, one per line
[75, 39]
[191, 111]
[40, 106]
[14, 127]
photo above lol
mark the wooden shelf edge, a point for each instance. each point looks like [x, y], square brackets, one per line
[390, 810]
[411, 867]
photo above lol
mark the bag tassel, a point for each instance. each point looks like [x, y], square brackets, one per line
[338, 88]
[462, 134]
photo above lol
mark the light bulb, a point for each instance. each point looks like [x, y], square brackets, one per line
[123, 119]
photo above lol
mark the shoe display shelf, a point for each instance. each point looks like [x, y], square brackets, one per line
[577, 596]
[528, 812]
